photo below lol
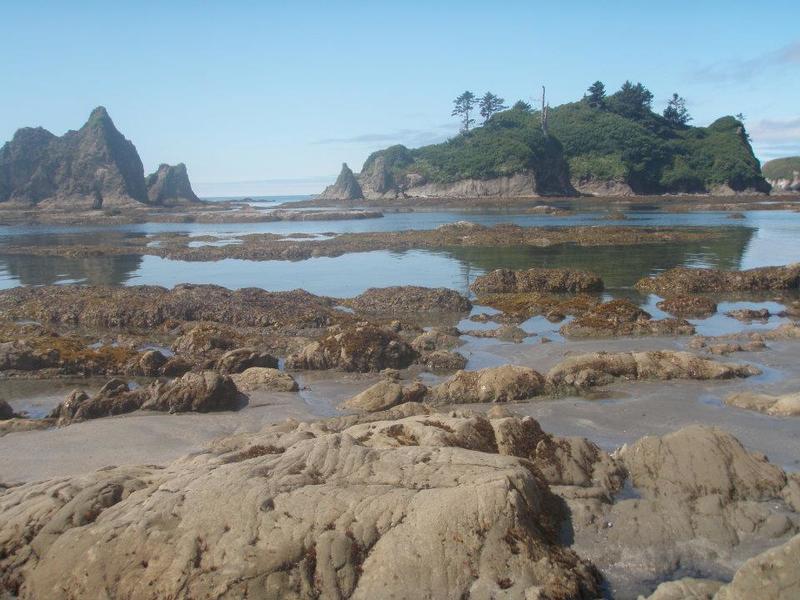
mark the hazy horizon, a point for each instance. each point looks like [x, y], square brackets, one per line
[259, 99]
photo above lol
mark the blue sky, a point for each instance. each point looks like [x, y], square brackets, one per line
[271, 98]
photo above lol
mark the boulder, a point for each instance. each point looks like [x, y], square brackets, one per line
[688, 306]
[599, 368]
[151, 362]
[508, 383]
[241, 359]
[443, 360]
[537, 280]
[205, 338]
[380, 396]
[6, 412]
[361, 348]
[265, 378]
[437, 338]
[786, 405]
[199, 392]
[772, 575]
[115, 398]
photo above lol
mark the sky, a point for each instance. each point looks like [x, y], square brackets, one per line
[269, 98]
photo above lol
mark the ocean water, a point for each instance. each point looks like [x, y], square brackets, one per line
[761, 238]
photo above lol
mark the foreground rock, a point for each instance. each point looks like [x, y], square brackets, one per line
[508, 383]
[600, 368]
[537, 280]
[687, 588]
[6, 412]
[623, 318]
[699, 501]
[360, 348]
[302, 511]
[409, 299]
[772, 575]
[682, 280]
[787, 405]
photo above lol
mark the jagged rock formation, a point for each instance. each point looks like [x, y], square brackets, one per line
[170, 185]
[91, 168]
[345, 188]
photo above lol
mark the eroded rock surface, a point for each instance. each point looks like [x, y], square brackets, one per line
[267, 378]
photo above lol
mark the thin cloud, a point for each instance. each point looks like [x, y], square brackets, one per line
[744, 69]
[409, 137]
[774, 138]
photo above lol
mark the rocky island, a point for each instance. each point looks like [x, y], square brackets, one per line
[605, 145]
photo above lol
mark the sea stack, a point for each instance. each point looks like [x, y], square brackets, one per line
[169, 185]
[346, 187]
[93, 167]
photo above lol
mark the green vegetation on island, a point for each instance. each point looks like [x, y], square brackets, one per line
[600, 139]
[782, 168]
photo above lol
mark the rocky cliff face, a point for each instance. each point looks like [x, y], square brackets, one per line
[169, 185]
[346, 187]
[95, 166]
[91, 168]
[783, 174]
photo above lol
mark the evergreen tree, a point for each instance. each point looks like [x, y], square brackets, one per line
[596, 98]
[489, 105]
[522, 105]
[632, 101]
[462, 107]
[676, 112]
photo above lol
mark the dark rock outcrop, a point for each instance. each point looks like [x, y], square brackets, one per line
[198, 392]
[688, 306]
[170, 185]
[345, 188]
[93, 167]
[622, 317]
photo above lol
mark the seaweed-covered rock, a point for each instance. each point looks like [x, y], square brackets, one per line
[241, 359]
[622, 317]
[599, 368]
[362, 348]
[688, 306]
[200, 392]
[409, 299]
[537, 280]
[683, 280]
[508, 383]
